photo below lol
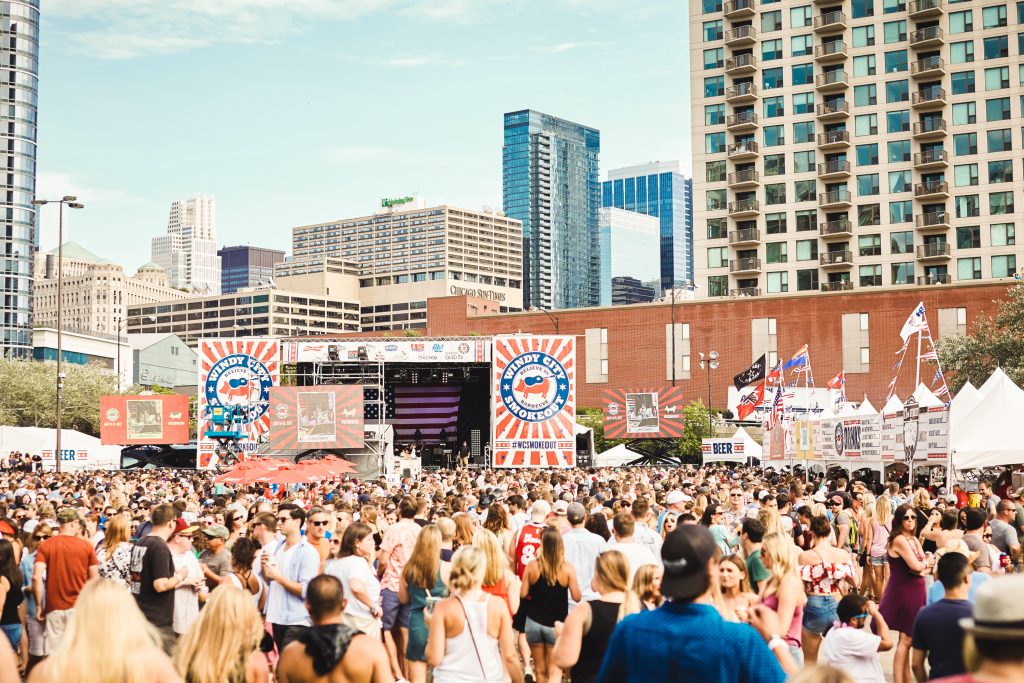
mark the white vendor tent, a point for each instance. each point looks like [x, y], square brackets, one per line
[736, 448]
[81, 451]
[986, 437]
[962, 405]
[616, 456]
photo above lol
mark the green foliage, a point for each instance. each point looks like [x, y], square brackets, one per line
[412, 333]
[29, 396]
[995, 341]
[695, 415]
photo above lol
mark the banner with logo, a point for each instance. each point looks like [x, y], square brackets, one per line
[534, 405]
[891, 438]
[475, 350]
[915, 433]
[307, 418]
[236, 372]
[723, 450]
[643, 413]
[134, 420]
[803, 439]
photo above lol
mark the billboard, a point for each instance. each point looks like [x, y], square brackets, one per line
[915, 433]
[413, 350]
[306, 418]
[134, 420]
[643, 413]
[236, 372]
[534, 401]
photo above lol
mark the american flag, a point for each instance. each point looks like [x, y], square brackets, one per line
[776, 410]
[915, 323]
[930, 355]
[408, 407]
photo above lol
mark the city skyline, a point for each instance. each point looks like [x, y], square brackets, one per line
[337, 145]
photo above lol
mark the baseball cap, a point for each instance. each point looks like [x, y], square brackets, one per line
[675, 497]
[836, 500]
[68, 515]
[216, 531]
[560, 508]
[685, 555]
[540, 510]
[819, 497]
[576, 513]
[1018, 493]
[183, 527]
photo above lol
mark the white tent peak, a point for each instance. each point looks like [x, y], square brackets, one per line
[981, 438]
[847, 410]
[893, 405]
[925, 398]
[995, 378]
[968, 390]
[866, 408]
[826, 414]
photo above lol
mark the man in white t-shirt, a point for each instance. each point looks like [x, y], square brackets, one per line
[623, 527]
[851, 647]
[192, 590]
[581, 550]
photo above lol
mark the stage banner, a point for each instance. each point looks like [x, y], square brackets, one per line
[643, 413]
[477, 350]
[306, 418]
[236, 372]
[151, 419]
[534, 401]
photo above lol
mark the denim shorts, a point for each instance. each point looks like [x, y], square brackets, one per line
[394, 611]
[819, 613]
[879, 561]
[539, 634]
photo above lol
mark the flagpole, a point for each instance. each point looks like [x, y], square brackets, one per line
[917, 377]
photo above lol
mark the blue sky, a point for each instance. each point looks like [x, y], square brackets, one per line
[299, 111]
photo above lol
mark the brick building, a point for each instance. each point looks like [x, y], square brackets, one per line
[856, 331]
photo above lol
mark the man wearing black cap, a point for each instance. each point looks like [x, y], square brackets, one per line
[686, 639]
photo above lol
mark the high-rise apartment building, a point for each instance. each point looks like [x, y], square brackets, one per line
[849, 144]
[550, 183]
[659, 189]
[630, 246]
[188, 252]
[19, 66]
[245, 266]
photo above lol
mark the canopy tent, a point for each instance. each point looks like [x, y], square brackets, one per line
[893, 405]
[866, 408]
[617, 456]
[740, 446]
[925, 398]
[81, 451]
[986, 437]
[962, 405]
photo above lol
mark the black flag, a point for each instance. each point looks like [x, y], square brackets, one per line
[752, 374]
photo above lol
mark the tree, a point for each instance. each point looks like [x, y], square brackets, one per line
[687, 448]
[995, 341]
[29, 396]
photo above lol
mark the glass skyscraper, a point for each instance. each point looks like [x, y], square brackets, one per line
[550, 183]
[19, 69]
[246, 266]
[658, 189]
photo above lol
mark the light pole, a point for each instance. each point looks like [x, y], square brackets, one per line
[709, 364]
[553, 318]
[71, 203]
[119, 354]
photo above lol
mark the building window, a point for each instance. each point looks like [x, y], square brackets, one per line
[772, 78]
[899, 150]
[774, 164]
[775, 193]
[803, 103]
[867, 155]
[901, 212]
[1000, 171]
[778, 282]
[869, 214]
[715, 199]
[714, 86]
[775, 223]
[717, 228]
[718, 285]
[961, 53]
[896, 61]
[803, 162]
[803, 132]
[997, 78]
[864, 36]
[996, 47]
[965, 144]
[1002, 235]
[897, 91]
[895, 31]
[714, 115]
[869, 245]
[771, 21]
[962, 82]
[867, 184]
[802, 45]
[902, 273]
[899, 181]
[968, 268]
[967, 206]
[771, 49]
[965, 113]
[870, 276]
[866, 124]
[1000, 203]
[714, 58]
[994, 17]
[718, 257]
[807, 250]
[775, 252]
[806, 220]
[965, 175]
[999, 140]
[897, 121]
[901, 242]
[804, 190]
[774, 106]
[774, 136]
[968, 237]
[807, 280]
[712, 30]
[1004, 265]
[961, 22]
[864, 95]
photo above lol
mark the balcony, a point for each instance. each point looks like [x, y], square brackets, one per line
[741, 36]
[836, 199]
[936, 189]
[837, 286]
[934, 252]
[745, 291]
[748, 236]
[932, 221]
[833, 51]
[741, 64]
[836, 259]
[941, 279]
[929, 98]
[830, 22]
[739, 9]
[929, 129]
[741, 93]
[744, 120]
[738, 151]
[839, 228]
[931, 159]
[834, 139]
[744, 208]
[832, 81]
[834, 170]
[929, 67]
[742, 179]
[923, 9]
[833, 111]
[925, 38]
[745, 265]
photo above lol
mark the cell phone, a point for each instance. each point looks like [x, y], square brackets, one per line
[431, 602]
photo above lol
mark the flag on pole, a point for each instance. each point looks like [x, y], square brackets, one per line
[776, 409]
[915, 323]
[799, 360]
[930, 355]
[838, 382]
[749, 402]
[752, 374]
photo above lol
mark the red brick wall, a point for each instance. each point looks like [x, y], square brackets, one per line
[636, 334]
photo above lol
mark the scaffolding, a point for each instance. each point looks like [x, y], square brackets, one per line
[370, 375]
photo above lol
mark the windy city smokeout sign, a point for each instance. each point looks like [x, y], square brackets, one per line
[534, 390]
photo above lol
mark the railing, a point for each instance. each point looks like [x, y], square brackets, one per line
[744, 147]
[927, 64]
[837, 286]
[918, 6]
[744, 205]
[834, 166]
[832, 258]
[740, 61]
[835, 47]
[742, 264]
[831, 78]
[746, 176]
[932, 187]
[740, 90]
[930, 219]
[747, 235]
[927, 34]
[943, 279]
[832, 137]
[929, 126]
[933, 250]
[745, 291]
[829, 19]
[838, 227]
[834, 197]
[741, 118]
[827, 108]
[734, 6]
[931, 156]
[741, 32]
[928, 95]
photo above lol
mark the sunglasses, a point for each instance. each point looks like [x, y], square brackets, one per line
[323, 523]
[40, 538]
[736, 495]
[910, 518]
[283, 519]
[986, 536]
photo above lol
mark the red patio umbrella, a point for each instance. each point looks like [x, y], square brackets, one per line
[248, 471]
[328, 467]
[288, 473]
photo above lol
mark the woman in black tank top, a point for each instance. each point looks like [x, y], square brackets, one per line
[583, 639]
[547, 583]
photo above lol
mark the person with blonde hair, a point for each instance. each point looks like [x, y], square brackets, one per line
[783, 591]
[582, 640]
[423, 579]
[647, 585]
[106, 639]
[499, 580]
[114, 553]
[471, 631]
[222, 645]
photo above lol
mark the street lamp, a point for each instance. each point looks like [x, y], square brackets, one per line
[553, 318]
[709, 364]
[71, 202]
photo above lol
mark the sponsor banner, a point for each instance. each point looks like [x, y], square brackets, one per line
[306, 418]
[915, 433]
[133, 420]
[773, 443]
[236, 372]
[871, 437]
[643, 413]
[833, 438]
[391, 351]
[534, 406]
[803, 439]
[892, 435]
[722, 450]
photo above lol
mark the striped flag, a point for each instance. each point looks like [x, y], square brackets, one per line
[429, 408]
[749, 402]
[776, 410]
[915, 323]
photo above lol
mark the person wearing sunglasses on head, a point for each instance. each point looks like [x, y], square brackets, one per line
[851, 647]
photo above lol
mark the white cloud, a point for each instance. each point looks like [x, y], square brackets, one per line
[347, 154]
[558, 48]
[417, 61]
[55, 184]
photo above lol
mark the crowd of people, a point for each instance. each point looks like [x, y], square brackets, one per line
[639, 574]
